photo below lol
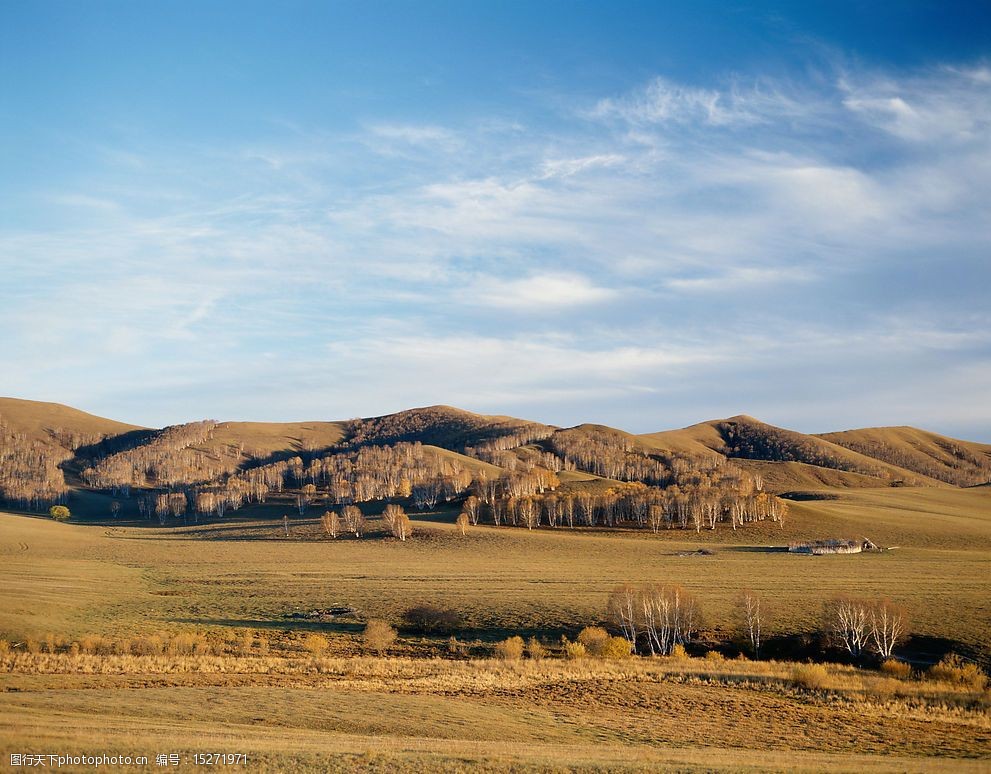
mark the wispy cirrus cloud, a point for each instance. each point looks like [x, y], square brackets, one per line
[662, 101]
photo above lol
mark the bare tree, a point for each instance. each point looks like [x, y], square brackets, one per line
[848, 620]
[529, 511]
[390, 514]
[752, 619]
[623, 606]
[472, 509]
[669, 616]
[331, 523]
[397, 521]
[354, 519]
[888, 625]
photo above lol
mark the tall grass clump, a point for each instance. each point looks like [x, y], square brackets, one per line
[535, 649]
[955, 670]
[812, 677]
[510, 649]
[896, 668]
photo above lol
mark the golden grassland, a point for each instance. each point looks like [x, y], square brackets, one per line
[75, 579]
[420, 714]
[341, 712]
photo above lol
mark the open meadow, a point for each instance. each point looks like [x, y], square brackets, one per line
[436, 704]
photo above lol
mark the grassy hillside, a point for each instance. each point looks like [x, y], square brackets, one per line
[961, 463]
[745, 438]
[264, 440]
[43, 421]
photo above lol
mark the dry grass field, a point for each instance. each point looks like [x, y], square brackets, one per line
[344, 712]
[74, 579]
[391, 714]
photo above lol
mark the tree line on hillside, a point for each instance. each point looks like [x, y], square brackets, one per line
[658, 491]
[961, 467]
[30, 470]
[701, 502]
[440, 426]
[751, 440]
[168, 460]
[367, 474]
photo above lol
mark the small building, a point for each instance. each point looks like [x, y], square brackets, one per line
[831, 546]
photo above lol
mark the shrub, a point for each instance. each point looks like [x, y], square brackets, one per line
[616, 647]
[535, 649]
[188, 644]
[146, 646]
[95, 644]
[954, 669]
[714, 656]
[510, 649]
[896, 668]
[263, 646]
[431, 619]
[59, 513]
[678, 652]
[594, 638]
[810, 676]
[378, 635]
[246, 642]
[453, 646]
[315, 644]
[4, 647]
[573, 649]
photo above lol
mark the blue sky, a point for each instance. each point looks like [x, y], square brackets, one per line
[621, 213]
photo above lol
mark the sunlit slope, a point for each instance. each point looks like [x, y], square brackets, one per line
[963, 463]
[44, 421]
[73, 579]
[784, 457]
[260, 440]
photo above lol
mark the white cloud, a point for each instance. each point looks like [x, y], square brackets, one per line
[742, 279]
[538, 293]
[663, 101]
[944, 105]
[568, 167]
[637, 235]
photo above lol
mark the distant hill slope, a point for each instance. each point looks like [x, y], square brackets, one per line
[76, 449]
[262, 440]
[444, 426]
[55, 423]
[961, 463]
[744, 438]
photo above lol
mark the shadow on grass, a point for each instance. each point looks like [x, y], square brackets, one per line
[758, 549]
[284, 624]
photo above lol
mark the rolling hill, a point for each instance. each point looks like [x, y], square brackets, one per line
[961, 463]
[48, 451]
[55, 423]
[787, 459]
